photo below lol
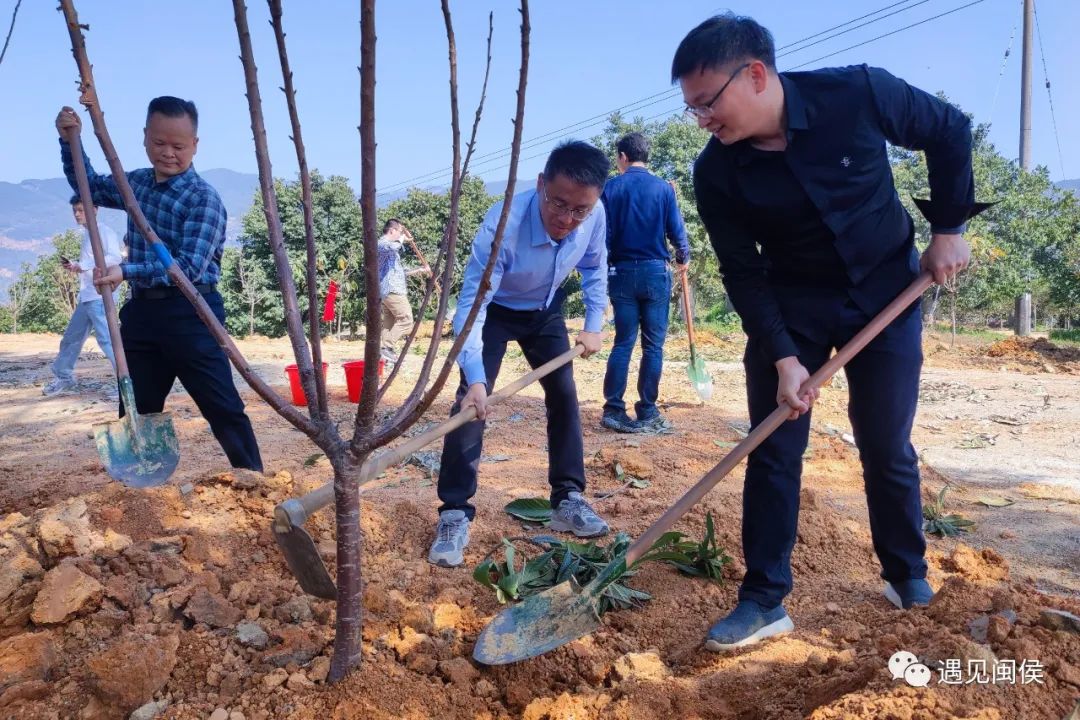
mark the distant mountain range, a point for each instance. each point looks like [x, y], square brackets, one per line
[33, 211]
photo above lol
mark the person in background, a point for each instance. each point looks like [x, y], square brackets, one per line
[642, 212]
[90, 311]
[397, 317]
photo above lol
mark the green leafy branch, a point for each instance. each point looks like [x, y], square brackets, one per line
[565, 560]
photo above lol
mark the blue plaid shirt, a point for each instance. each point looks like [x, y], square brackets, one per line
[185, 212]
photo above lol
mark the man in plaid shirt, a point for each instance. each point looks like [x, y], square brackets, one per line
[163, 337]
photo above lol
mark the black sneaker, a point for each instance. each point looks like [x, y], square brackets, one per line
[620, 422]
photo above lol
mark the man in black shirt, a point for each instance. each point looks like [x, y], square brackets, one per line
[796, 192]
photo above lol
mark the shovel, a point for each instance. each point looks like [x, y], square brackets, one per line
[547, 620]
[138, 450]
[699, 376]
[289, 517]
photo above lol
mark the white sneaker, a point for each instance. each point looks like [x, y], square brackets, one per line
[56, 386]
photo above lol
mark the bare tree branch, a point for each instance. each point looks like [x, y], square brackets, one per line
[10, 30]
[97, 116]
[293, 324]
[408, 415]
[314, 316]
[483, 94]
[365, 412]
[429, 359]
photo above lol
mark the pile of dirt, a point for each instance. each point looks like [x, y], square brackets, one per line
[176, 601]
[1038, 352]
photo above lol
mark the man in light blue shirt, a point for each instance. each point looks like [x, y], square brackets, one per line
[550, 231]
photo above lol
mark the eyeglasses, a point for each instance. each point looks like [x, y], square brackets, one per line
[561, 208]
[705, 111]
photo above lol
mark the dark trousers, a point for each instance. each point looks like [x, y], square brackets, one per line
[542, 336]
[164, 340]
[883, 382]
[640, 294]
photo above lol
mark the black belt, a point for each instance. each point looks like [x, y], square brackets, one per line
[160, 293]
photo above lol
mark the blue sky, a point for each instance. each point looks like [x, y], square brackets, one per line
[587, 58]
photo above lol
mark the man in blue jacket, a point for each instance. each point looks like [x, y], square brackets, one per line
[796, 193]
[641, 212]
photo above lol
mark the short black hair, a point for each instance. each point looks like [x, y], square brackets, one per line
[170, 106]
[634, 146]
[77, 199]
[722, 40]
[578, 161]
[391, 223]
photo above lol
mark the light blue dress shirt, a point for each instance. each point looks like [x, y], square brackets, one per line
[530, 268]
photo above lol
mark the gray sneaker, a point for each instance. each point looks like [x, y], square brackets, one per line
[574, 515]
[451, 539]
[657, 423]
[57, 386]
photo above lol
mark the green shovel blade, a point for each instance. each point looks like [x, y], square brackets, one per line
[138, 450]
[699, 376]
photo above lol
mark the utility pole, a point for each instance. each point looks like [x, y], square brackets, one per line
[1025, 87]
[1023, 303]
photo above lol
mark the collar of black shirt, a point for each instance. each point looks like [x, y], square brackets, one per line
[795, 108]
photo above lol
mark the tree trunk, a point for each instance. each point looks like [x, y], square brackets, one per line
[952, 304]
[251, 319]
[347, 638]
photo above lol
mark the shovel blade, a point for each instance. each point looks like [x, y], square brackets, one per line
[699, 376]
[141, 451]
[538, 624]
[304, 562]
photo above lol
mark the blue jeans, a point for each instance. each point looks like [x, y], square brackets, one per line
[640, 293]
[88, 315]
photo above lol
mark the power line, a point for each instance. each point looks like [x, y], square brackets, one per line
[1049, 95]
[597, 119]
[1001, 73]
[885, 35]
[629, 107]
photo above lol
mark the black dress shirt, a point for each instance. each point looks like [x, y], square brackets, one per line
[838, 122]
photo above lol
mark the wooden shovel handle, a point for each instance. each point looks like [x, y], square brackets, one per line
[87, 199]
[776, 418]
[687, 310]
[323, 496]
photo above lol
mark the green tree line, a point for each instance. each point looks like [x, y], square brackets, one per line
[1028, 242]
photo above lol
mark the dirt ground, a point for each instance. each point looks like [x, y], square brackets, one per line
[112, 598]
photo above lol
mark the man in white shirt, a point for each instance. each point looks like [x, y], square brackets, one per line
[90, 312]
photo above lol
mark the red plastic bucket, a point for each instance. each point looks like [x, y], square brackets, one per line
[354, 377]
[298, 397]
